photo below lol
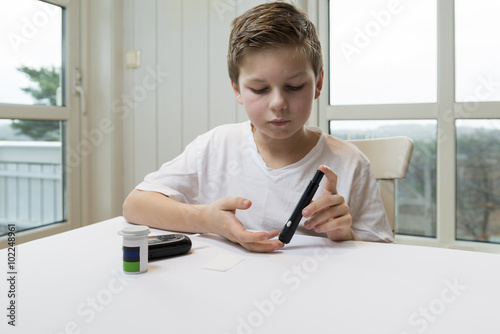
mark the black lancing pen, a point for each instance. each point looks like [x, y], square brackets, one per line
[293, 222]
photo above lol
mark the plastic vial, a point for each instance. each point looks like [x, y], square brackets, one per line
[135, 249]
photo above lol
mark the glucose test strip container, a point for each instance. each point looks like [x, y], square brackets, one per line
[135, 249]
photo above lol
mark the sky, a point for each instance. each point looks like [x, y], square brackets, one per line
[27, 37]
[385, 51]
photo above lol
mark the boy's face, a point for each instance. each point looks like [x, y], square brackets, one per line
[277, 88]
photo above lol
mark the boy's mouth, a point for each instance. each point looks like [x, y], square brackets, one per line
[279, 122]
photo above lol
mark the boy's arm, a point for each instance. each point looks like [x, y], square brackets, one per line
[159, 211]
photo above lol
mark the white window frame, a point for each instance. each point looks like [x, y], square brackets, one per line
[70, 113]
[445, 111]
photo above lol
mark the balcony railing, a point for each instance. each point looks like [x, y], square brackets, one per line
[31, 184]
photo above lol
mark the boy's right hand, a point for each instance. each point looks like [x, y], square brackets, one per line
[224, 222]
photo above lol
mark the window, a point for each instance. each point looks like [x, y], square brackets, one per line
[31, 177]
[478, 180]
[427, 70]
[31, 52]
[382, 52]
[477, 50]
[416, 195]
[38, 116]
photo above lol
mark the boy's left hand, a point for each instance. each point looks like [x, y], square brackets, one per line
[330, 214]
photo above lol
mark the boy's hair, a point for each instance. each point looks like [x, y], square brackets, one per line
[273, 25]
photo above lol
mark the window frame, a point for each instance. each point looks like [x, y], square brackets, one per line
[446, 111]
[69, 113]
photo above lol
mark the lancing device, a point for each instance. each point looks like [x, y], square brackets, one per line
[293, 222]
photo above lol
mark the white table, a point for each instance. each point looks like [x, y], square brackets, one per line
[72, 283]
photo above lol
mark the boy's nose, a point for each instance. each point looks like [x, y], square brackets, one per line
[278, 102]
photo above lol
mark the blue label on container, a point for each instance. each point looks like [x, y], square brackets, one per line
[131, 259]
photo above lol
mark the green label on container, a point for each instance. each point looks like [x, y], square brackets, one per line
[131, 267]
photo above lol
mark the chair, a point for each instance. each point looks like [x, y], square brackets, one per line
[390, 159]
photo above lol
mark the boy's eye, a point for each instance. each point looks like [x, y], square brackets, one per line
[259, 91]
[295, 87]
[266, 89]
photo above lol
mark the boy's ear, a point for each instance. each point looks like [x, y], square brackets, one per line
[236, 92]
[319, 84]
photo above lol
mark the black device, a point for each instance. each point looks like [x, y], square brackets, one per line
[166, 245]
[293, 222]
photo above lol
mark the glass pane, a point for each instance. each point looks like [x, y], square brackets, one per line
[31, 57]
[478, 180]
[31, 177]
[383, 52]
[477, 50]
[415, 195]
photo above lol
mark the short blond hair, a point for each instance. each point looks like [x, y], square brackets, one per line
[273, 25]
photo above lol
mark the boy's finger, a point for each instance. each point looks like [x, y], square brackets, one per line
[264, 247]
[322, 203]
[234, 203]
[331, 180]
[248, 236]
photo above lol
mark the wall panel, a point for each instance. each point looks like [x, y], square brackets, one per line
[222, 103]
[170, 62]
[142, 94]
[195, 69]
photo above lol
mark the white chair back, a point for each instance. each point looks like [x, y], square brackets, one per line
[390, 159]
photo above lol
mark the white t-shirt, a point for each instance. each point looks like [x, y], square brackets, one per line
[225, 162]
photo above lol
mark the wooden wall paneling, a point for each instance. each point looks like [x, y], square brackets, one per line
[222, 102]
[195, 70]
[143, 95]
[121, 106]
[170, 64]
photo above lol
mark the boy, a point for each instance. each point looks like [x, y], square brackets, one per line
[240, 178]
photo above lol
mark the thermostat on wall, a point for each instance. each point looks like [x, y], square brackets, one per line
[132, 58]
